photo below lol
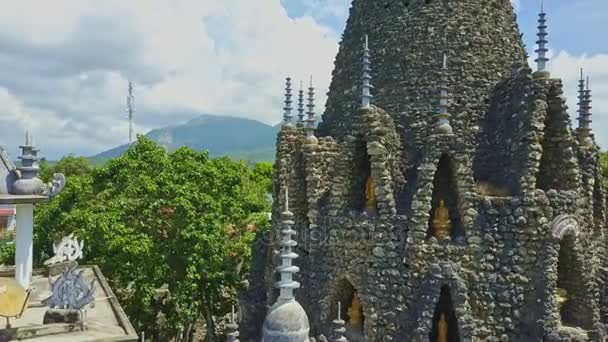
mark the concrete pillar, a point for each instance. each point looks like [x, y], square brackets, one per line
[23, 244]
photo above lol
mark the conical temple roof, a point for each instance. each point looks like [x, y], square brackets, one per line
[407, 42]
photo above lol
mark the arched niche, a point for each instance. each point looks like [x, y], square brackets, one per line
[445, 199]
[445, 322]
[571, 294]
[364, 191]
[351, 309]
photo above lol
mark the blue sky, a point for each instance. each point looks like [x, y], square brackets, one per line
[64, 68]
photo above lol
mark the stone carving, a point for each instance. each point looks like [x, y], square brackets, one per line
[70, 291]
[68, 249]
[54, 187]
[564, 224]
[442, 226]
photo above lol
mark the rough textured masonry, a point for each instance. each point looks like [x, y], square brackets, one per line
[525, 198]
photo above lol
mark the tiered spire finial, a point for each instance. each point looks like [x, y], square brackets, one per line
[232, 328]
[310, 121]
[339, 328]
[287, 117]
[366, 94]
[443, 117]
[584, 118]
[130, 110]
[300, 122]
[541, 58]
[286, 285]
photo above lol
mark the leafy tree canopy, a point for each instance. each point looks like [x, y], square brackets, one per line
[152, 220]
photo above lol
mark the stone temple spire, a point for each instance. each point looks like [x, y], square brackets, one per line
[287, 109]
[286, 319]
[300, 122]
[541, 58]
[339, 328]
[366, 94]
[310, 121]
[443, 117]
[584, 112]
[232, 328]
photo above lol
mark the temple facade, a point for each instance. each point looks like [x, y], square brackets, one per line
[453, 200]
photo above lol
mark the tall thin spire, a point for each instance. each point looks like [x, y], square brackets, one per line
[584, 112]
[232, 328]
[301, 106]
[339, 328]
[366, 94]
[443, 117]
[541, 58]
[130, 110]
[310, 121]
[286, 285]
[287, 109]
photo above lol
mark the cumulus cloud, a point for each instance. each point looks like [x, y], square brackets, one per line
[64, 68]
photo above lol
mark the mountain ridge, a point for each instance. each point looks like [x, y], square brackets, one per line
[235, 137]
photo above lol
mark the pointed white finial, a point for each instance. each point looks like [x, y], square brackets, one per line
[286, 284]
[366, 94]
[443, 117]
[300, 122]
[310, 121]
[584, 118]
[541, 58]
[339, 328]
[287, 109]
[232, 329]
[27, 138]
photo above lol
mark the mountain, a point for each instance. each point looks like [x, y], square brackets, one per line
[237, 138]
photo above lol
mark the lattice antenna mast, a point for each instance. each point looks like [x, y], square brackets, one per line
[130, 110]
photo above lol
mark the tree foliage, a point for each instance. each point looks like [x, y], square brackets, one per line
[604, 164]
[154, 220]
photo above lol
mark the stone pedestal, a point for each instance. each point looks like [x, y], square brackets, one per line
[61, 316]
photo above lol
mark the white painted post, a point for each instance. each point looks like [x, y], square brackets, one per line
[24, 240]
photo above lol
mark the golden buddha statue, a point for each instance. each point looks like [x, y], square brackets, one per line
[561, 296]
[355, 313]
[442, 329]
[370, 196]
[442, 226]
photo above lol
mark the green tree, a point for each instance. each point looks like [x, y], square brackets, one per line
[153, 220]
[69, 166]
[604, 164]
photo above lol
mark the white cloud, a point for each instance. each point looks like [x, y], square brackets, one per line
[567, 67]
[67, 65]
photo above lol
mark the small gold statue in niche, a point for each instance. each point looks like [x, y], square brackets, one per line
[442, 226]
[442, 329]
[561, 296]
[355, 313]
[370, 196]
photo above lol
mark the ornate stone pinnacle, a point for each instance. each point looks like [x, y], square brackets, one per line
[584, 112]
[443, 117]
[287, 109]
[339, 328]
[541, 59]
[300, 122]
[286, 285]
[366, 94]
[310, 121]
[232, 328]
